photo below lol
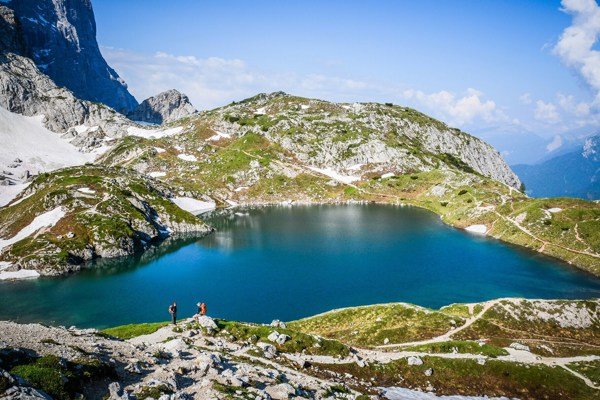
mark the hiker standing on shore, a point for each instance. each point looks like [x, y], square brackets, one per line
[173, 312]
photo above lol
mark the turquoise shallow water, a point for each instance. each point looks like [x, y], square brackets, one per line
[292, 262]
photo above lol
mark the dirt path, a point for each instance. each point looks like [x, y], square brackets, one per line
[447, 336]
[544, 242]
[378, 354]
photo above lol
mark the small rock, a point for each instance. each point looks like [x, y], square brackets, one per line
[133, 368]
[428, 372]
[273, 336]
[281, 391]
[412, 360]
[191, 333]
[175, 346]
[299, 361]
[519, 346]
[386, 341]
[278, 324]
[70, 235]
[283, 338]
[116, 392]
[268, 349]
[481, 360]
[207, 322]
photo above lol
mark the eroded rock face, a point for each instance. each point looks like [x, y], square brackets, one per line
[163, 108]
[60, 37]
[25, 90]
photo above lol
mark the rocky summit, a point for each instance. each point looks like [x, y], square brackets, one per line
[60, 37]
[163, 108]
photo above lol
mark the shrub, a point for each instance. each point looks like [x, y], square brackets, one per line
[48, 374]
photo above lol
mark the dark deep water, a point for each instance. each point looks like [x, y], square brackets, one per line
[292, 262]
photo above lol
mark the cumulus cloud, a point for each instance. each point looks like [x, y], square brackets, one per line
[575, 46]
[213, 82]
[568, 103]
[460, 110]
[556, 143]
[525, 98]
[546, 112]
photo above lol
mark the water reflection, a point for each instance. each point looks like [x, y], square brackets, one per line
[291, 262]
[110, 266]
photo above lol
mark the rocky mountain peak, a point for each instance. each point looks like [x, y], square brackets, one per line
[167, 106]
[591, 148]
[10, 32]
[60, 37]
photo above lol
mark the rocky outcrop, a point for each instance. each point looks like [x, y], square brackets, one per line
[361, 138]
[60, 37]
[177, 363]
[163, 108]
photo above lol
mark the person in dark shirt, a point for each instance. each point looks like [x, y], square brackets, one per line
[173, 312]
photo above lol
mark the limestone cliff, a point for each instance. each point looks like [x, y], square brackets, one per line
[24, 89]
[60, 37]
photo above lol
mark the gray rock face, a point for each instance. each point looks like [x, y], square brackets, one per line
[366, 137]
[25, 90]
[60, 36]
[165, 107]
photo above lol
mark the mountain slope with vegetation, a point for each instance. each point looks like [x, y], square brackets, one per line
[98, 212]
[279, 148]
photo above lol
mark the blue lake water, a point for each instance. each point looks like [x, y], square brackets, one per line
[292, 262]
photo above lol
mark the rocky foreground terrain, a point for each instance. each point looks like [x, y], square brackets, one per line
[514, 348]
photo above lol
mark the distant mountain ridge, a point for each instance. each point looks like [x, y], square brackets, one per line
[574, 174]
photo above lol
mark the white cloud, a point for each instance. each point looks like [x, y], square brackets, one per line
[556, 143]
[460, 110]
[569, 104]
[575, 46]
[546, 112]
[525, 98]
[213, 82]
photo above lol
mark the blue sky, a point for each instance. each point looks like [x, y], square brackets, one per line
[483, 66]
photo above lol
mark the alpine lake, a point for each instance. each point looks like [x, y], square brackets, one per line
[289, 262]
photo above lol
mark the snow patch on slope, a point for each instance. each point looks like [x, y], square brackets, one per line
[193, 206]
[8, 193]
[26, 139]
[153, 133]
[47, 219]
[480, 229]
[335, 175]
[395, 393]
[187, 157]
